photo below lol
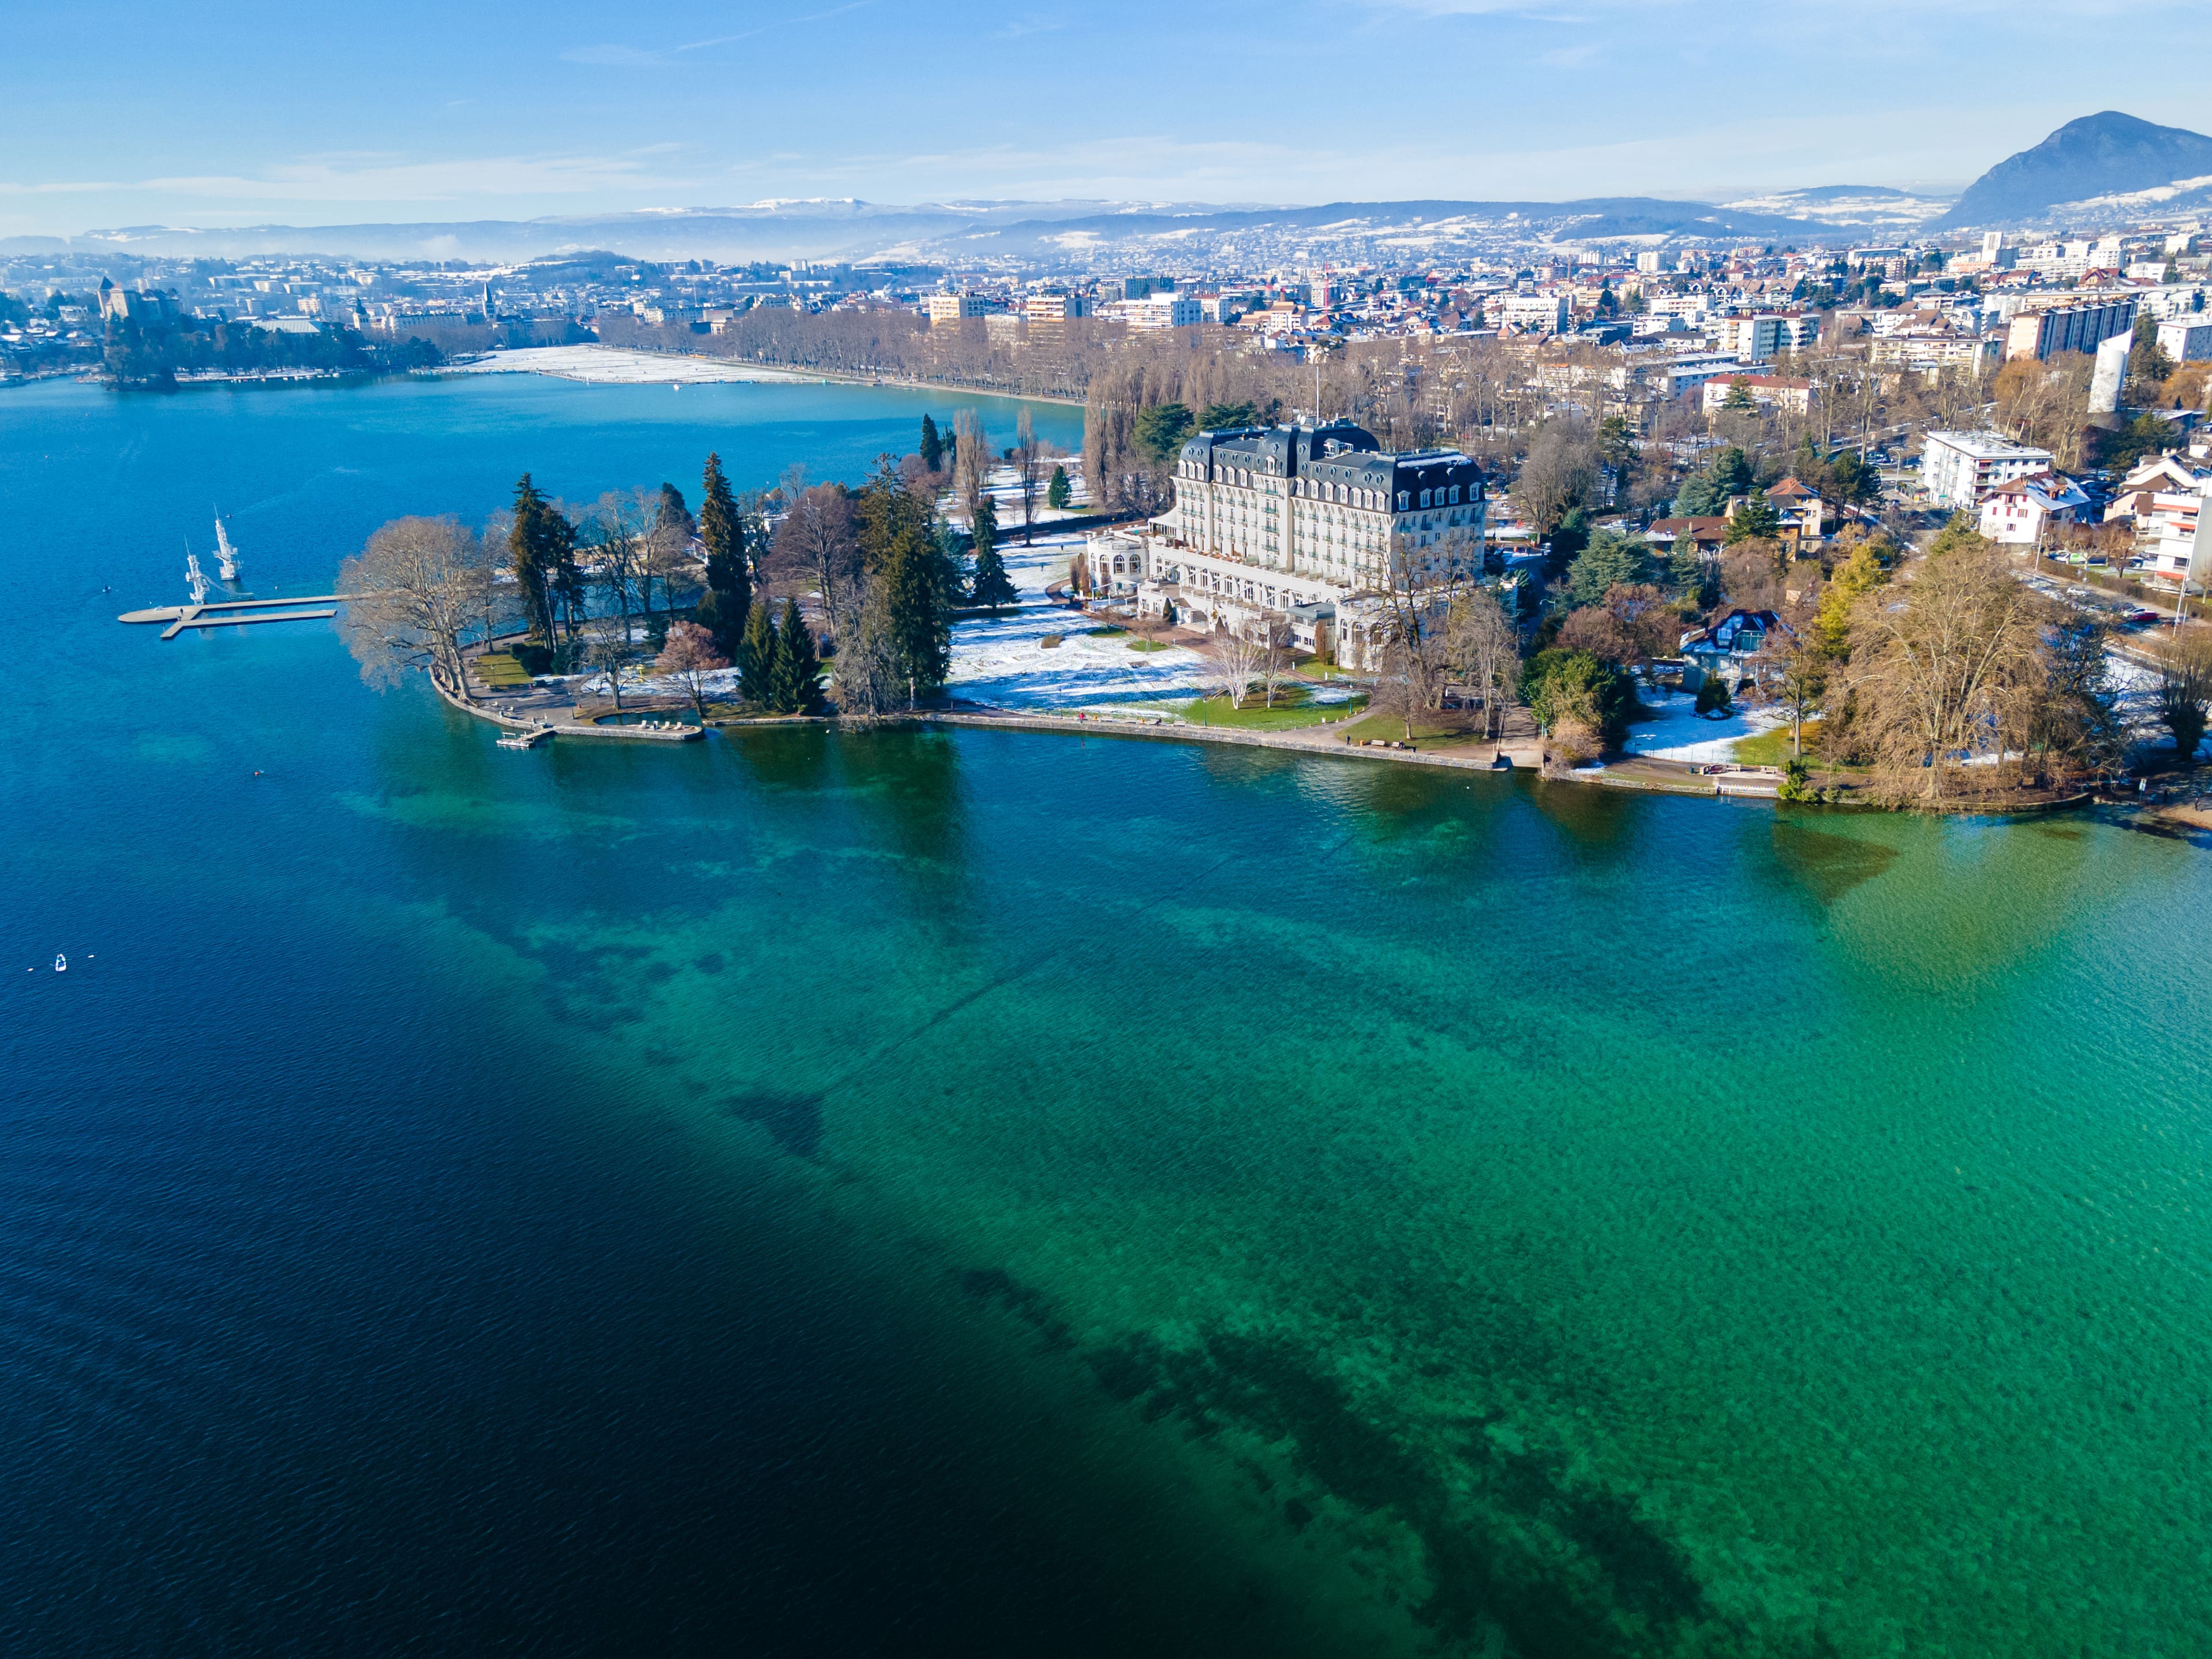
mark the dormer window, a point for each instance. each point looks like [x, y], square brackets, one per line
[1405, 500]
[1425, 498]
[1454, 494]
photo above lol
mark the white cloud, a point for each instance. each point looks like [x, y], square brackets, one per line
[391, 179]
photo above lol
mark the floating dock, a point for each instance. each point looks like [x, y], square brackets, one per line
[236, 613]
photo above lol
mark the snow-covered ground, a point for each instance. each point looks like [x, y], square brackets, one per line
[1002, 661]
[614, 366]
[1671, 729]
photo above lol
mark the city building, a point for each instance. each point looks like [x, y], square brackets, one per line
[1155, 311]
[1535, 313]
[942, 308]
[2186, 339]
[134, 305]
[1766, 390]
[1050, 308]
[1930, 351]
[1959, 469]
[2083, 326]
[1756, 339]
[1289, 525]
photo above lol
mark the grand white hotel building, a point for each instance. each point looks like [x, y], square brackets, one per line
[1292, 522]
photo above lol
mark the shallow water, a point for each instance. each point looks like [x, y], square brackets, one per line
[977, 1192]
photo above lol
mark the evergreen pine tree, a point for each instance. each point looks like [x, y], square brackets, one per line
[798, 669]
[991, 585]
[950, 563]
[535, 552]
[722, 531]
[907, 581]
[933, 447]
[1057, 493]
[756, 656]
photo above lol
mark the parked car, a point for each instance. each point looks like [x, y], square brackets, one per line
[2141, 615]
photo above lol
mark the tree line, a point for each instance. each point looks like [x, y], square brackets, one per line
[772, 583]
[155, 354]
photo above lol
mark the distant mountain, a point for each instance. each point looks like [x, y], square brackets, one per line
[1877, 208]
[2100, 161]
[1065, 234]
[1353, 231]
[819, 229]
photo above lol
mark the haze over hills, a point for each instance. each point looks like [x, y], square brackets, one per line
[1089, 234]
[2102, 168]
[2097, 169]
[1874, 208]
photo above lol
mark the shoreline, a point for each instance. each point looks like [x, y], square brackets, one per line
[829, 376]
[1524, 758]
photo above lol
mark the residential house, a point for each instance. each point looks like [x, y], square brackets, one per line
[1804, 515]
[1728, 647]
[2166, 499]
[1708, 536]
[2018, 513]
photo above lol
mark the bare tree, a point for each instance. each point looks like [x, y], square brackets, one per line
[663, 549]
[421, 589]
[1276, 656]
[608, 647]
[1791, 673]
[1421, 579]
[610, 540]
[1028, 470]
[1483, 648]
[816, 544]
[1560, 472]
[691, 660]
[2185, 694]
[971, 466]
[1933, 658]
[1234, 655]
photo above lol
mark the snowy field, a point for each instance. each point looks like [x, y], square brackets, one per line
[1671, 729]
[1001, 660]
[613, 366]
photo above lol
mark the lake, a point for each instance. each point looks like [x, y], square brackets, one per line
[972, 1193]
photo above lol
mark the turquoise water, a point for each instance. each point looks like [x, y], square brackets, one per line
[976, 1192]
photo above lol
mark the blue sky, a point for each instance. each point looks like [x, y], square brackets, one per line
[133, 113]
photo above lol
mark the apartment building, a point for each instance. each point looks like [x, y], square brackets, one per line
[2044, 331]
[1766, 391]
[1155, 311]
[1761, 338]
[941, 308]
[1959, 469]
[2186, 339]
[1535, 313]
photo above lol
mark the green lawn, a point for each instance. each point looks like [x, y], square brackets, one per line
[1291, 709]
[1773, 748]
[1149, 645]
[499, 668]
[1392, 729]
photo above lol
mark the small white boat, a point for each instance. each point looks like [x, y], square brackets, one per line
[61, 963]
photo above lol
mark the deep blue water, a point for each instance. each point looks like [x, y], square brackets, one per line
[332, 1317]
